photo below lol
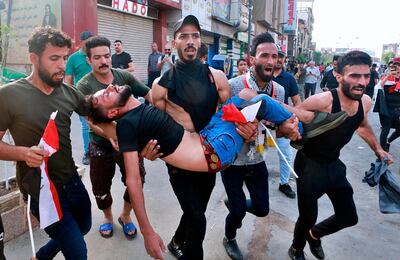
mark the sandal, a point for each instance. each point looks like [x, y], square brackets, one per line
[106, 227]
[128, 227]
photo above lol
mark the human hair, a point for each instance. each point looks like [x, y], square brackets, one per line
[239, 60]
[336, 57]
[118, 41]
[48, 5]
[96, 41]
[96, 113]
[203, 51]
[41, 36]
[353, 58]
[259, 39]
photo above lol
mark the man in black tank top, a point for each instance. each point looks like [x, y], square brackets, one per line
[190, 92]
[318, 165]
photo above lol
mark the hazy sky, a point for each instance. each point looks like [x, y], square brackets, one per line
[356, 23]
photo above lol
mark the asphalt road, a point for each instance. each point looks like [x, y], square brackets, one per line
[376, 236]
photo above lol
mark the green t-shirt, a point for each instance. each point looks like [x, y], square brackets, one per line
[77, 66]
[25, 111]
[89, 85]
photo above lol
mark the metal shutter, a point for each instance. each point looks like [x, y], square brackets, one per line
[135, 32]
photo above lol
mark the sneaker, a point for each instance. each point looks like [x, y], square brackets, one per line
[175, 249]
[287, 190]
[86, 159]
[226, 202]
[232, 249]
[296, 254]
[315, 247]
[323, 122]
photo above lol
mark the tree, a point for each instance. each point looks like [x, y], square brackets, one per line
[301, 58]
[317, 57]
[386, 57]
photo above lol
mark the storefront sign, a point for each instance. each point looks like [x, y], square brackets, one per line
[202, 9]
[25, 16]
[131, 7]
[221, 10]
[290, 16]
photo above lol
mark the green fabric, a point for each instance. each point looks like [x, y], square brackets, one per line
[89, 85]
[77, 66]
[11, 75]
[25, 111]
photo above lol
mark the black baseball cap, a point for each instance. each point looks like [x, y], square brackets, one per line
[281, 53]
[85, 35]
[190, 19]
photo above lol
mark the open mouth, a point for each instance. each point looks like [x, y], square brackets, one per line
[268, 69]
[59, 75]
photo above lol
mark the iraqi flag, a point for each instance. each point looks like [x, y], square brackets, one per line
[247, 114]
[49, 204]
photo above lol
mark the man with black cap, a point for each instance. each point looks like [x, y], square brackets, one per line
[189, 93]
[288, 82]
[76, 68]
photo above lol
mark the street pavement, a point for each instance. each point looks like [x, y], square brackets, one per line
[376, 236]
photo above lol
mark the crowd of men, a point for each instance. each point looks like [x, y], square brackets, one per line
[190, 91]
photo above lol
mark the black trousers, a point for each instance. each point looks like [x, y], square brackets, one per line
[193, 190]
[316, 179]
[256, 179]
[388, 122]
[152, 76]
[1, 240]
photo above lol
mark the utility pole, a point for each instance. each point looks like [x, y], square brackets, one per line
[249, 29]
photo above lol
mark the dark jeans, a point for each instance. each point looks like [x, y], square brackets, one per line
[67, 234]
[309, 87]
[256, 179]
[103, 162]
[193, 190]
[152, 76]
[316, 179]
[1, 240]
[387, 123]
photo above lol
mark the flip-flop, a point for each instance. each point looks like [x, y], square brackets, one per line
[128, 227]
[106, 227]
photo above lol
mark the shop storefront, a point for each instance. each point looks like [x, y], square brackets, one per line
[133, 25]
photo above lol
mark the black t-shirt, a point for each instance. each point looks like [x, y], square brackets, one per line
[121, 61]
[143, 123]
[191, 86]
[373, 76]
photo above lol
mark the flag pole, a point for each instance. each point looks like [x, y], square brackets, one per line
[30, 227]
[280, 152]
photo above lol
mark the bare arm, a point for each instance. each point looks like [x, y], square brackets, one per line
[296, 100]
[153, 243]
[131, 67]
[149, 97]
[366, 133]
[221, 81]
[33, 156]
[68, 80]
[159, 95]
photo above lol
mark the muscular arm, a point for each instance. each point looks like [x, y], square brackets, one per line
[153, 243]
[159, 95]
[223, 88]
[320, 102]
[366, 133]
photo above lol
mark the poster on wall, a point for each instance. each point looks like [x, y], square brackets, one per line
[202, 9]
[25, 16]
[221, 10]
[290, 17]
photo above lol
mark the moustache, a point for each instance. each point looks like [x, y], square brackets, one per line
[104, 66]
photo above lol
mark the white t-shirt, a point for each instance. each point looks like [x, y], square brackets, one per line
[312, 75]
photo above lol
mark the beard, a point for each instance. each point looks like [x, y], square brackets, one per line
[124, 95]
[45, 76]
[260, 71]
[188, 57]
[346, 89]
